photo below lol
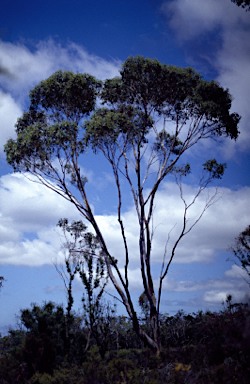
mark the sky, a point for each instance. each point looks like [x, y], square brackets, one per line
[96, 37]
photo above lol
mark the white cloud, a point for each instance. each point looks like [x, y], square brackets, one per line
[29, 214]
[30, 253]
[216, 297]
[9, 112]
[233, 65]
[215, 232]
[31, 210]
[30, 205]
[192, 20]
[217, 285]
[237, 272]
[210, 292]
[28, 67]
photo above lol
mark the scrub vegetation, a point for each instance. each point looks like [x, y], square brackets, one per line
[50, 347]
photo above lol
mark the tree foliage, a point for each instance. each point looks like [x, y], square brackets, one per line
[64, 122]
[241, 250]
[242, 3]
[84, 257]
[46, 341]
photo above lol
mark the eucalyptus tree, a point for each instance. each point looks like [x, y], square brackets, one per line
[137, 130]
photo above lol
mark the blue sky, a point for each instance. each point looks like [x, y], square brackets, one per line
[38, 38]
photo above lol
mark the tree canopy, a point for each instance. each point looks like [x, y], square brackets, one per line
[64, 122]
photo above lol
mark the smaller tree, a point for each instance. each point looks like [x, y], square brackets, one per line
[84, 257]
[45, 343]
[241, 250]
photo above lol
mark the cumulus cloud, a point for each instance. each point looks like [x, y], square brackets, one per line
[30, 204]
[193, 18]
[210, 292]
[215, 297]
[27, 67]
[29, 214]
[217, 32]
[216, 285]
[214, 233]
[237, 272]
[10, 110]
[29, 208]
[233, 65]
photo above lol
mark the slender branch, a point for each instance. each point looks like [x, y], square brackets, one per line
[210, 200]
